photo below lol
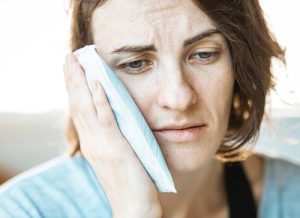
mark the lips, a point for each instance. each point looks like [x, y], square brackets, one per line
[181, 135]
[179, 127]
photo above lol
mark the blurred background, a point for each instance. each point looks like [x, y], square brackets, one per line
[33, 101]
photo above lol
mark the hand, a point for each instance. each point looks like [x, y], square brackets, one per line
[129, 189]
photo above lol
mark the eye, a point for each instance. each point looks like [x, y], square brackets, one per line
[135, 66]
[205, 57]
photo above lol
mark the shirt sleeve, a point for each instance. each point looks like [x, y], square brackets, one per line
[17, 206]
[64, 188]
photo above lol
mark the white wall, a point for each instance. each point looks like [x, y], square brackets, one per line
[34, 40]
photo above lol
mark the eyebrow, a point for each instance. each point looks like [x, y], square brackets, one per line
[144, 48]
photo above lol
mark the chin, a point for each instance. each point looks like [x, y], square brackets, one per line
[187, 158]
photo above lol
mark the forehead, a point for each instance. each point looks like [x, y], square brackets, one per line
[148, 21]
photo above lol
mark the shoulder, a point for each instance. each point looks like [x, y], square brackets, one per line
[281, 193]
[283, 173]
[60, 187]
[56, 172]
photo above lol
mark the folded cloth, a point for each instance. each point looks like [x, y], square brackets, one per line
[129, 119]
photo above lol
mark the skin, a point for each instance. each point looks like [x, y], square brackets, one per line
[173, 84]
[174, 88]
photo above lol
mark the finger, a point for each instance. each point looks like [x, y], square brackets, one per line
[105, 114]
[81, 104]
[93, 112]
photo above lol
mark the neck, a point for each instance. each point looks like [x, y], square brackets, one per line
[200, 191]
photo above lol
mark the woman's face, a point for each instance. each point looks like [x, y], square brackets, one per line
[173, 78]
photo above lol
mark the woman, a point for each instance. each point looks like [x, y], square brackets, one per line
[199, 66]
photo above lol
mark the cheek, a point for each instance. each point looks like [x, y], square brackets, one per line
[217, 92]
[222, 103]
[142, 90]
[224, 92]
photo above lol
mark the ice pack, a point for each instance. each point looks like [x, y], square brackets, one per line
[128, 117]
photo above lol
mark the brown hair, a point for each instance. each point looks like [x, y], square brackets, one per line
[252, 48]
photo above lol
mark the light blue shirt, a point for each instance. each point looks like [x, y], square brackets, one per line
[67, 187]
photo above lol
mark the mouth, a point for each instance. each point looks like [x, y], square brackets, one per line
[181, 135]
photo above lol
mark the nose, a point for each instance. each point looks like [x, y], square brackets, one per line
[176, 91]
